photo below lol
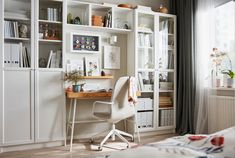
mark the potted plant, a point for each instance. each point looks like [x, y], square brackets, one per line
[231, 75]
[74, 77]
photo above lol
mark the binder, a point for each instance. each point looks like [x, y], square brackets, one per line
[15, 49]
[49, 59]
[7, 55]
[149, 119]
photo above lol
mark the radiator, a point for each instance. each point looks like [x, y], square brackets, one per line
[221, 112]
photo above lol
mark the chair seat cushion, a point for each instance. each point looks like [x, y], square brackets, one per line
[103, 115]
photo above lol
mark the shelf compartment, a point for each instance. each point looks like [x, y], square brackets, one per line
[78, 9]
[122, 18]
[145, 22]
[145, 81]
[23, 19]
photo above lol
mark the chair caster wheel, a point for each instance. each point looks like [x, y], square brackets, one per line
[100, 148]
[91, 141]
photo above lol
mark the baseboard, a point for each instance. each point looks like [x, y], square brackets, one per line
[31, 146]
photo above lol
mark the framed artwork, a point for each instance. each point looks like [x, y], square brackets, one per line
[111, 57]
[85, 43]
[92, 66]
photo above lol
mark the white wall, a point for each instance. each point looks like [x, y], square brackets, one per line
[154, 4]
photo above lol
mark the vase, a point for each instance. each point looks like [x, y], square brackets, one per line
[230, 82]
[76, 88]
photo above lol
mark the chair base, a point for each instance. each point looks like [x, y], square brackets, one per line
[115, 132]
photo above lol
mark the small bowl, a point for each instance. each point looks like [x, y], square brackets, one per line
[125, 6]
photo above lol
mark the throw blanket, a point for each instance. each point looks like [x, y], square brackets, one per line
[217, 145]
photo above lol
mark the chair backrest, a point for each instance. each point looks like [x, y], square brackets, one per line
[122, 108]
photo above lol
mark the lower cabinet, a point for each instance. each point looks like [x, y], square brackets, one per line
[18, 107]
[50, 106]
[32, 107]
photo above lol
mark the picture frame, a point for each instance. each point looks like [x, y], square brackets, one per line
[85, 43]
[92, 66]
[111, 57]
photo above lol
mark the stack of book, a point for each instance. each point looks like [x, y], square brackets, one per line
[97, 20]
[54, 59]
[11, 29]
[166, 117]
[16, 55]
[165, 101]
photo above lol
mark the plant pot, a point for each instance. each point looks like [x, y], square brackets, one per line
[76, 88]
[230, 82]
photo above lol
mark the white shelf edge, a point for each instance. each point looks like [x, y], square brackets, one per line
[148, 70]
[146, 91]
[165, 91]
[166, 70]
[98, 28]
[51, 22]
[16, 38]
[51, 41]
[17, 68]
[50, 69]
[16, 18]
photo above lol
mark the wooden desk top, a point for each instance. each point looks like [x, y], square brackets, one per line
[88, 95]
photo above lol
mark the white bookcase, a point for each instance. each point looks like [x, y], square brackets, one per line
[32, 91]
[154, 66]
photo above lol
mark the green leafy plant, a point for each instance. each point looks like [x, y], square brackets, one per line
[230, 73]
[73, 76]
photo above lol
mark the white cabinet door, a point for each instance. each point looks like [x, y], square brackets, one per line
[17, 107]
[50, 106]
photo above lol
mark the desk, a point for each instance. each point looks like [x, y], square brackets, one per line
[73, 103]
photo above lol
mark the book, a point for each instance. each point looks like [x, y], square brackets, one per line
[49, 59]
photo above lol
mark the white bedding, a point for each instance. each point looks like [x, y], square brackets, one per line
[217, 145]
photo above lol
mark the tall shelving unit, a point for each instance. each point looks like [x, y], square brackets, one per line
[49, 67]
[17, 75]
[154, 66]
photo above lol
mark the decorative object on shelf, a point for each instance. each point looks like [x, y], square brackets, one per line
[111, 57]
[74, 77]
[42, 62]
[77, 21]
[23, 31]
[97, 20]
[125, 6]
[92, 66]
[85, 43]
[69, 18]
[230, 80]
[162, 9]
[102, 73]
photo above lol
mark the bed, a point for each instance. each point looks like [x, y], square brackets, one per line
[218, 145]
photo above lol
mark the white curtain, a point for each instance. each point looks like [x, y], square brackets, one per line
[207, 37]
[203, 47]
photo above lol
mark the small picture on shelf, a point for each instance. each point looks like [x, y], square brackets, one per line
[76, 65]
[92, 66]
[85, 43]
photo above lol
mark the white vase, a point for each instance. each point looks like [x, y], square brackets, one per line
[230, 82]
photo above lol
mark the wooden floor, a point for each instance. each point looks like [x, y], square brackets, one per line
[80, 150]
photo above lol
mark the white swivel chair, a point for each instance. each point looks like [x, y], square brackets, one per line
[119, 108]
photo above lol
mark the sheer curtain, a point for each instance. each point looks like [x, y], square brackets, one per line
[203, 44]
[212, 31]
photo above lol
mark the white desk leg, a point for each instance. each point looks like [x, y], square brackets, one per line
[72, 130]
[68, 120]
[136, 127]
